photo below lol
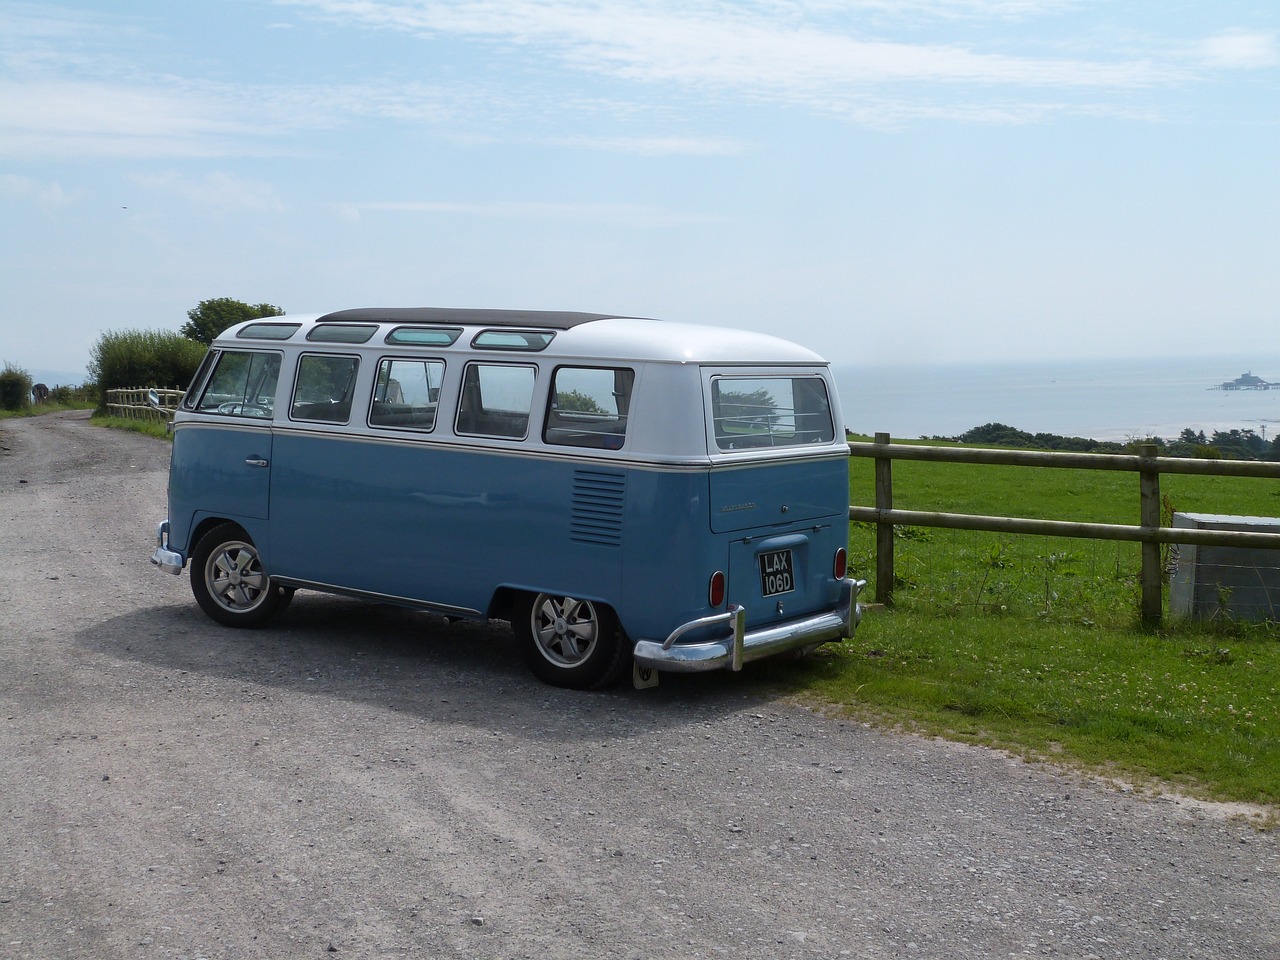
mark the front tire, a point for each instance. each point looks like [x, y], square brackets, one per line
[228, 580]
[569, 642]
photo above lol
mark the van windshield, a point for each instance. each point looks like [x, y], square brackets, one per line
[751, 412]
[243, 384]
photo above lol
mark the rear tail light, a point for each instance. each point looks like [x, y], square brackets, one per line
[715, 589]
[841, 566]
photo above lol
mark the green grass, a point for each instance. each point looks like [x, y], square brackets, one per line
[154, 428]
[42, 409]
[1033, 644]
[1200, 711]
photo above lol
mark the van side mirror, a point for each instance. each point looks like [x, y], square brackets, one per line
[153, 398]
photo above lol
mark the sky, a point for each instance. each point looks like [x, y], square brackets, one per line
[897, 182]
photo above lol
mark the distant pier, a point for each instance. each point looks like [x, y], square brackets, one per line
[1246, 381]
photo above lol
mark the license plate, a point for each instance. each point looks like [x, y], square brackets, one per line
[777, 575]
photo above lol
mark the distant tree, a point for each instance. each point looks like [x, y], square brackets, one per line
[211, 317]
[1188, 435]
[1134, 445]
[998, 435]
[1052, 441]
[1238, 444]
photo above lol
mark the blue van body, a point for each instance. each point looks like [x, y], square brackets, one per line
[628, 492]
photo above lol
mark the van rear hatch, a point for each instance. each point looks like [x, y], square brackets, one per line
[785, 522]
[761, 496]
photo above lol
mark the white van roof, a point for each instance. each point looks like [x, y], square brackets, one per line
[596, 336]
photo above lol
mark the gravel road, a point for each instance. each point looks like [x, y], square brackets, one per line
[360, 781]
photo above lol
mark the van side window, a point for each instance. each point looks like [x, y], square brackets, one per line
[770, 412]
[242, 384]
[324, 388]
[588, 407]
[496, 400]
[405, 394]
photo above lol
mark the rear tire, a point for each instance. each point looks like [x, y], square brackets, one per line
[569, 642]
[228, 581]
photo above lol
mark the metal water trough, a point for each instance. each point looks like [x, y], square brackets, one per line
[1242, 583]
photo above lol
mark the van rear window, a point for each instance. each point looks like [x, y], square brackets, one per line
[750, 412]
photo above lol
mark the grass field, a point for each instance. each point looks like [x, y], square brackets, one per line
[1033, 644]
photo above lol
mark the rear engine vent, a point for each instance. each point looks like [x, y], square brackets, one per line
[598, 500]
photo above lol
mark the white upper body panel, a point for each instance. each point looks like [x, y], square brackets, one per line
[669, 421]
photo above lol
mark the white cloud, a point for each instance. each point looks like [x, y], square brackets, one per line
[761, 47]
[616, 214]
[658, 146]
[1240, 49]
[219, 191]
[99, 119]
[169, 118]
[25, 188]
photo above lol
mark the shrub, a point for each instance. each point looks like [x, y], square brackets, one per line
[15, 388]
[143, 358]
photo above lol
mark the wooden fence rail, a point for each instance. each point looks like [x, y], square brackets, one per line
[131, 404]
[1148, 532]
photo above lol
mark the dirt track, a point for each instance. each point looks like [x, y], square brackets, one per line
[358, 781]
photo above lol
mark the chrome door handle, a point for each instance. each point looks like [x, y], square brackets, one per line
[256, 463]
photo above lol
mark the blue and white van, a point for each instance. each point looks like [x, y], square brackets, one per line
[631, 494]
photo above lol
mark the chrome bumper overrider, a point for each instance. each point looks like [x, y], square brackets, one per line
[740, 646]
[164, 558]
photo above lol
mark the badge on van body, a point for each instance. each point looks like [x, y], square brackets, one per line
[643, 677]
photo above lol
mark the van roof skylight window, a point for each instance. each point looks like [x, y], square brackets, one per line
[268, 331]
[425, 336]
[512, 339]
[341, 333]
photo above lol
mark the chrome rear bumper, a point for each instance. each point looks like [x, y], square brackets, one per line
[740, 646]
[167, 560]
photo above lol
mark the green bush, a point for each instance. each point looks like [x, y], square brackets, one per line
[15, 388]
[122, 359]
[64, 396]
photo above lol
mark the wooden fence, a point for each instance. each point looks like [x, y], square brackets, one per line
[131, 404]
[1148, 532]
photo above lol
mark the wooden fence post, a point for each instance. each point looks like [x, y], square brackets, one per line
[1149, 516]
[884, 531]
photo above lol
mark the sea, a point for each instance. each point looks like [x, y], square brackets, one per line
[1100, 399]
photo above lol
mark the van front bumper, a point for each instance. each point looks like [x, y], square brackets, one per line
[167, 560]
[740, 646]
